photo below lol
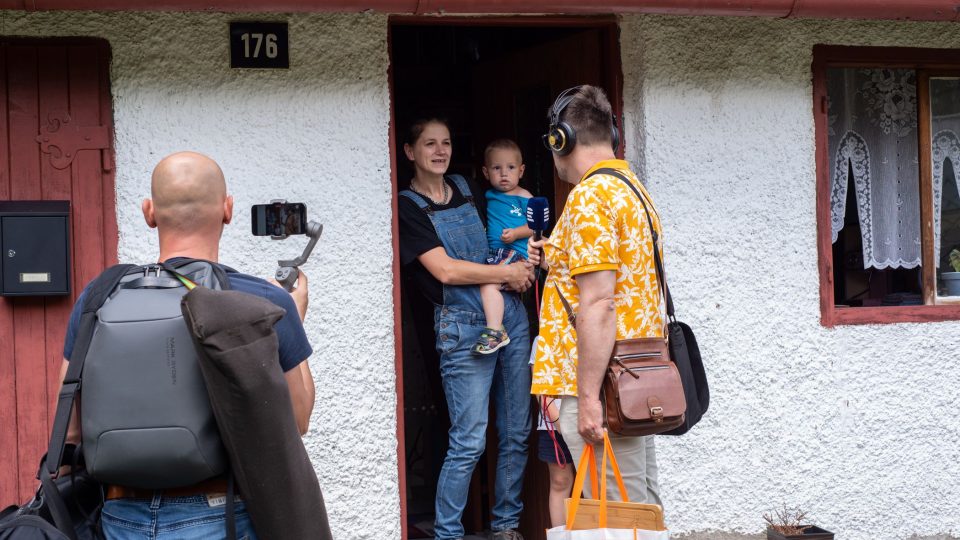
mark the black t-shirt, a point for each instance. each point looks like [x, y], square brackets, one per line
[417, 236]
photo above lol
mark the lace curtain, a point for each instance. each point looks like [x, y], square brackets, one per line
[872, 126]
[946, 146]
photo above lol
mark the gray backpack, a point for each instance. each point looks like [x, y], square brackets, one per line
[145, 415]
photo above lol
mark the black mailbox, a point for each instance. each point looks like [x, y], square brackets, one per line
[35, 248]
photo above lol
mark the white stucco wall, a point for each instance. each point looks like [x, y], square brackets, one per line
[855, 424]
[316, 133]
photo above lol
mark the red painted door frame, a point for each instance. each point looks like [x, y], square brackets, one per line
[43, 80]
[614, 85]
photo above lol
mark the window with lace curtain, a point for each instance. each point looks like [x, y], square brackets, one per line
[888, 158]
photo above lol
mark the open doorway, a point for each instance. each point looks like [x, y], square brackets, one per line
[490, 78]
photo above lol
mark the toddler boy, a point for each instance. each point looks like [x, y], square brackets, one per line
[507, 232]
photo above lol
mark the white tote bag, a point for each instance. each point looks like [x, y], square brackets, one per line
[626, 513]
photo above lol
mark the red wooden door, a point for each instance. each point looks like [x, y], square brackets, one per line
[55, 144]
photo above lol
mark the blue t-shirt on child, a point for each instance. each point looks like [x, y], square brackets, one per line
[505, 212]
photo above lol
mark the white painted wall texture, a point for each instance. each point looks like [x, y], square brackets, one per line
[855, 424]
[316, 133]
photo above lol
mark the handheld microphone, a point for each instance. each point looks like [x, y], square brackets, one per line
[538, 215]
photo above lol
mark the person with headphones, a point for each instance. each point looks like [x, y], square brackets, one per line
[600, 287]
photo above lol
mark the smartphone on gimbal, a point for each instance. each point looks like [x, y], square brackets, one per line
[279, 219]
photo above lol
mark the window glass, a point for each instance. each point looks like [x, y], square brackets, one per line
[875, 186]
[945, 152]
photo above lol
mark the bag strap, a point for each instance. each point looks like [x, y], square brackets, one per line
[56, 505]
[571, 316]
[219, 271]
[587, 462]
[657, 261]
[588, 466]
[97, 294]
[608, 451]
[229, 509]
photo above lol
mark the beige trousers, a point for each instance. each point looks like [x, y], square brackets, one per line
[635, 455]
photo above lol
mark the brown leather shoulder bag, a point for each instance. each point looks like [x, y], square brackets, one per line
[642, 392]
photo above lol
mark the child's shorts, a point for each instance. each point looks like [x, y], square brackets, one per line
[504, 256]
[545, 450]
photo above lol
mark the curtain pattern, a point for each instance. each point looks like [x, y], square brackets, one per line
[872, 132]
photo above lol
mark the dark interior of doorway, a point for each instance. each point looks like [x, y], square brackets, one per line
[489, 82]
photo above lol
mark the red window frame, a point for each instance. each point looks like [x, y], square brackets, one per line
[930, 61]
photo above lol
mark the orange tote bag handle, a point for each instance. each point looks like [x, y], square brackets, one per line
[588, 466]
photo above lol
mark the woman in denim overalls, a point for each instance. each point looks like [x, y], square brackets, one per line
[469, 380]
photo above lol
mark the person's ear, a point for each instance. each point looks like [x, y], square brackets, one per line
[228, 210]
[486, 173]
[522, 168]
[148, 213]
[408, 150]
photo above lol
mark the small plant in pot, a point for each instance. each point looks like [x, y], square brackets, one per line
[952, 279]
[793, 524]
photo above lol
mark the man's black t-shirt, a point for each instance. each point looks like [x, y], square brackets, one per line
[417, 236]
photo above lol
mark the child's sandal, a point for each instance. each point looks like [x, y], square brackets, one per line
[491, 341]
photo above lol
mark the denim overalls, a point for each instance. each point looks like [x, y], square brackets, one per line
[469, 380]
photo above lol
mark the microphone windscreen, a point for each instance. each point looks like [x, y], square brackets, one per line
[538, 213]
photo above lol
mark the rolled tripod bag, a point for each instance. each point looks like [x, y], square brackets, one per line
[235, 337]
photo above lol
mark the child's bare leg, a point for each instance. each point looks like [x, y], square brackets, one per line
[561, 482]
[492, 305]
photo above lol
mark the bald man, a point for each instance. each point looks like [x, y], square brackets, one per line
[189, 206]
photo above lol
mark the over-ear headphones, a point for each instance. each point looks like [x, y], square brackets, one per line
[561, 137]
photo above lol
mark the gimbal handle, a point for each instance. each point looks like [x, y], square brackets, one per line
[288, 271]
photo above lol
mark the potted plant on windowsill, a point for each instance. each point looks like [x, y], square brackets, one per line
[952, 279]
[790, 524]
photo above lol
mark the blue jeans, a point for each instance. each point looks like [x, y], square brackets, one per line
[469, 382]
[171, 518]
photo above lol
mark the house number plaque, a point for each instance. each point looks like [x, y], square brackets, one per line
[259, 45]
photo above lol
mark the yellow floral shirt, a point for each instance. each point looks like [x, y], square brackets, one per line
[603, 227]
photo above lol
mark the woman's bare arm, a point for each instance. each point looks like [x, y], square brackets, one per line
[450, 271]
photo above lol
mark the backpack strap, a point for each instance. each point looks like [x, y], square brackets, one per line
[229, 509]
[97, 293]
[219, 271]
